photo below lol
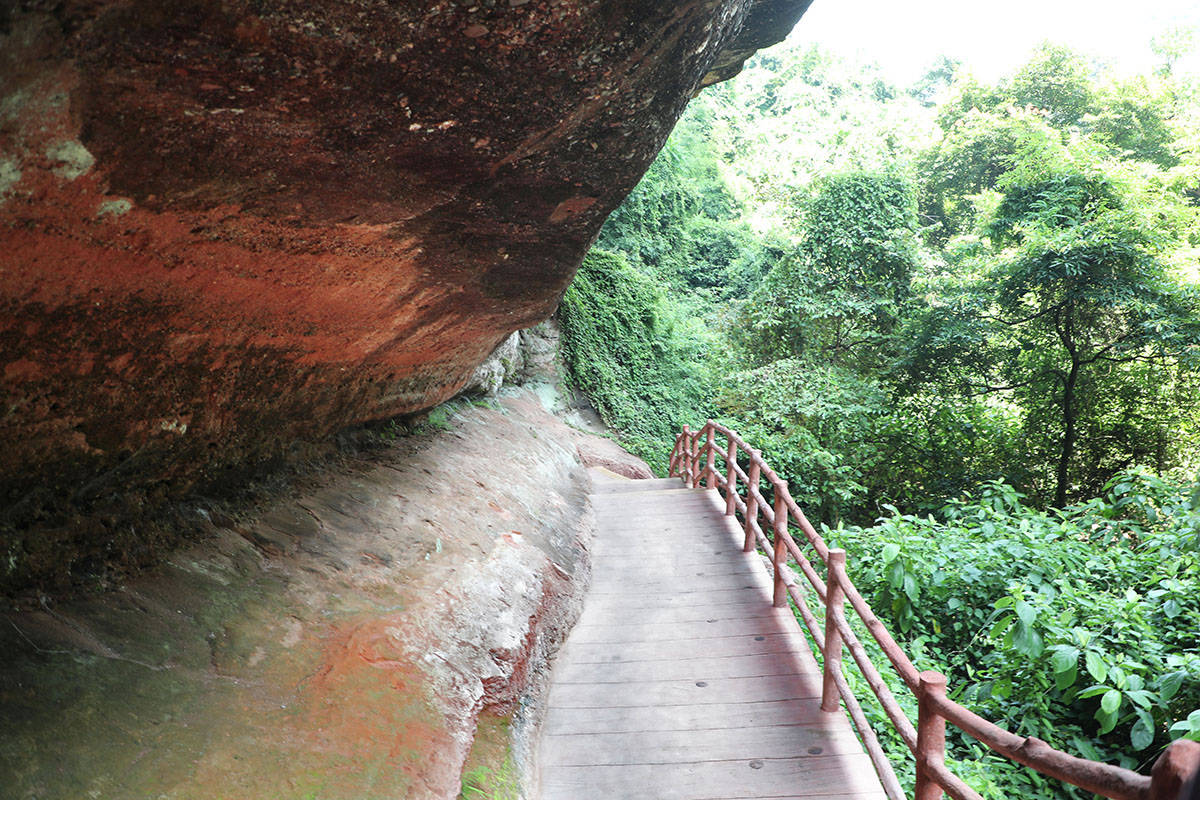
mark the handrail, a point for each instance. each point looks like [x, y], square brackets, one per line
[693, 459]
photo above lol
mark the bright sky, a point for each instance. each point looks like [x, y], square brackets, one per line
[992, 38]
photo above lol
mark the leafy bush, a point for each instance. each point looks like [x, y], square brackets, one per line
[622, 348]
[1078, 627]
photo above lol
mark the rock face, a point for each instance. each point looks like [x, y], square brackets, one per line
[232, 225]
[342, 643]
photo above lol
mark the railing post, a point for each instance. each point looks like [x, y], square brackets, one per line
[730, 475]
[931, 735]
[780, 558]
[835, 598]
[710, 474]
[685, 453]
[694, 459]
[752, 499]
[1176, 773]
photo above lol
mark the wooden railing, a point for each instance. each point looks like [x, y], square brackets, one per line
[694, 459]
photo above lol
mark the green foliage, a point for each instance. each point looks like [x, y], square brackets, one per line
[683, 220]
[1133, 117]
[1081, 309]
[1077, 627]
[627, 348]
[800, 113]
[1174, 42]
[813, 425]
[978, 149]
[1056, 80]
[935, 82]
[838, 295]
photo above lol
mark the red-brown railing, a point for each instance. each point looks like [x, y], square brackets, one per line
[693, 459]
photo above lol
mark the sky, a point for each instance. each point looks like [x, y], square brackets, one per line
[992, 38]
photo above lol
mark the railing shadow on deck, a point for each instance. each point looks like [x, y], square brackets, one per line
[1174, 774]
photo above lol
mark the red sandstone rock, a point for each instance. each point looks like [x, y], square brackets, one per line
[226, 226]
[341, 643]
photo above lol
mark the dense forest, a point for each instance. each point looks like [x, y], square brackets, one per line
[962, 320]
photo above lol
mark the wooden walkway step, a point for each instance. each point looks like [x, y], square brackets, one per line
[680, 680]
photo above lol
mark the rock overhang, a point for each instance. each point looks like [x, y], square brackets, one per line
[229, 226]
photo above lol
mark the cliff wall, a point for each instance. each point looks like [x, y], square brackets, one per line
[231, 227]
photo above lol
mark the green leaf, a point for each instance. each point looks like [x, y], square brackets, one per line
[1141, 697]
[1064, 658]
[1085, 748]
[1026, 613]
[1117, 675]
[1027, 640]
[1096, 666]
[1111, 701]
[1172, 608]
[1107, 720]
[1169, 684]
[1142, 733]
[890, 551]
[1000, 627]
[1003, 603]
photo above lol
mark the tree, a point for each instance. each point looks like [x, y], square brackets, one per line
[1171, 45]
[977, 150]
[1057, 80]
[1082, 299]
[837, 298]
[1133, 116]
[936, 81]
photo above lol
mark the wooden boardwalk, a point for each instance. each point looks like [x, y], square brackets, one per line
[680, 679]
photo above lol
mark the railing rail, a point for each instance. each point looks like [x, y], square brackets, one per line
[694, 460]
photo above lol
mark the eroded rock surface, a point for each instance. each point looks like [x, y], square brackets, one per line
[231, 225]
[342, 643]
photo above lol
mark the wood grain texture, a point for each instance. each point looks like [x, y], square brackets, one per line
[680, 680]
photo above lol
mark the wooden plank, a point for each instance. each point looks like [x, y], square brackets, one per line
[607, 579]
[708, 745]
[670, 648]
[709, 559]
[746, 594]
[702, 612]
[647, 566]
[645, 485]
[666, 515]
[674, 500]
[811, 778]
[621, 523]
[649, 516]
[701, 526]
[631, 634]
[651, 555]
[584, 720]
[672, 693]
[685, 669]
